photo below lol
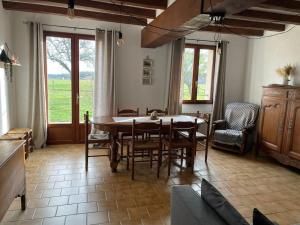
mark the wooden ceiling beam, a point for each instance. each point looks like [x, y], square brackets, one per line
[284, 5]
[100, 6]
[186, 14]
[253, 25]
[233, 30]
[152, 4]
[17, 6]
[265, 16]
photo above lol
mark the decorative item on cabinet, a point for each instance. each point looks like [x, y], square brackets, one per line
[279, 133]
[286, 73]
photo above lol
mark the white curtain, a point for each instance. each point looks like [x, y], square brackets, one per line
[219, 90]
[175, 82]
[104, 94]
[37, 105]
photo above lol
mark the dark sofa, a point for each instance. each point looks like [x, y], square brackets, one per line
[209, 208]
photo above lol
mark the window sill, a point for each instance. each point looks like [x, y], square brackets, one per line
[197, 102]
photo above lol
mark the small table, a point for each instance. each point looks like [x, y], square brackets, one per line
[114, 125]
[12, 174]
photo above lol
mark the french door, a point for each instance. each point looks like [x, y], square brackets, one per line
[70, 71]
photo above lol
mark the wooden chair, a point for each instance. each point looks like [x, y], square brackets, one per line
[186, 146]
[27, 132]
[160, 112]
[101, 139]
[202, 138]
[125, 135]
[139, 147]
[14, 137]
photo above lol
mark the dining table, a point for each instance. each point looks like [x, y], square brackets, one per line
[115, 125]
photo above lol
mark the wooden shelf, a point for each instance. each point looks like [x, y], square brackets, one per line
[2, 64]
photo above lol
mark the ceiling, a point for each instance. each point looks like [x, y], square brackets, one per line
[243, 17]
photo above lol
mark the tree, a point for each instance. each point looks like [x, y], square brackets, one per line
[59, 51]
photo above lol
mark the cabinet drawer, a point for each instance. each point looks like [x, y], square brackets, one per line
[274, 92]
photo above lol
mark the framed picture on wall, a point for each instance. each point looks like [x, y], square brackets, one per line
[148, 63]
[147, 72]
[147, 80]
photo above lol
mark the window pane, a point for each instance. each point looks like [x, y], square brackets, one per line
[59, 80]
[86, 76]
[206, 58]
[188, 65]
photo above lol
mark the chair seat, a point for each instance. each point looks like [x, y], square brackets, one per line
[99, 137]
[230, 137]
[19, 131]
[146, 144]
[199, 136]
[179, 143]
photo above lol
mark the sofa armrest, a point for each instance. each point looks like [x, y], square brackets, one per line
[218, 125]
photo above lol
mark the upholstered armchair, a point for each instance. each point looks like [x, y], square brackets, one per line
[236, 131]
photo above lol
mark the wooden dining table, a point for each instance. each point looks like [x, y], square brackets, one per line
[115, 125]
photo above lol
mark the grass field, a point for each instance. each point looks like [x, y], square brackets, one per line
[60, 103]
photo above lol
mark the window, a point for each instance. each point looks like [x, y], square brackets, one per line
[198, 74]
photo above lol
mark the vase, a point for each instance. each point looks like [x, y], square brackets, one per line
[285, 80]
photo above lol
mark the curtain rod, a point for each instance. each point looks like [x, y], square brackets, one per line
[70, 27]
[191, 39]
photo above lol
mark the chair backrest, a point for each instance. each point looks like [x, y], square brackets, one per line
[150, 128]
[160, 112]
[205, 116]
[176, 127]
[128, 112]
[239, 115]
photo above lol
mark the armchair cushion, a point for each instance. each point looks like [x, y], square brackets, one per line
[241, 115]
[231, 137]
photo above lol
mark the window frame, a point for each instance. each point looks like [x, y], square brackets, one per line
[197, 48]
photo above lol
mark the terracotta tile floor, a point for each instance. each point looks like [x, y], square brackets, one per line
[60, 192]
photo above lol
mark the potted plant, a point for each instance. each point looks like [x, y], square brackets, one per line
[286, 72]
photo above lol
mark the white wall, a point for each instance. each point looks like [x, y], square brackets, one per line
[265, 56]
[235, 68]
[7, 118]
[130, 91]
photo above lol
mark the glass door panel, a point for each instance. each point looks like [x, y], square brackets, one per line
[188, 65]
[59, 82]
[205, 74]
[86, 77]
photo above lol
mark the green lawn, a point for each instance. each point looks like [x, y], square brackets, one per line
[59, 100]
[200, 92]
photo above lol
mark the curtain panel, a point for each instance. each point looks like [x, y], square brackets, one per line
[175, 81]
[105, 80]
[219, 90]
[37, 96]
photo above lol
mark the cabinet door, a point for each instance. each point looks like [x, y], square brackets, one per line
[293, 131]
[272, 123]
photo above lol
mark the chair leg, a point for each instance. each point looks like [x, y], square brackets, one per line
[169, 161]
[151, 157]
[86, 156]
[206, 150]
[122, 148]
[181, 160]
[158, 162]
[132, 172]
[128, 158]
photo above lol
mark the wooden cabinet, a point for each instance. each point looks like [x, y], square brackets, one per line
[279, 133]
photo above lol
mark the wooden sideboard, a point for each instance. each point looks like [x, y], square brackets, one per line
[12, 174]
[279, 133]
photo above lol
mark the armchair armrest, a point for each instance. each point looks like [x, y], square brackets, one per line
[249, 129]
[219, 125]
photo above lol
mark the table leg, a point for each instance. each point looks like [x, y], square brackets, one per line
[114, 153]
[23, 202]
